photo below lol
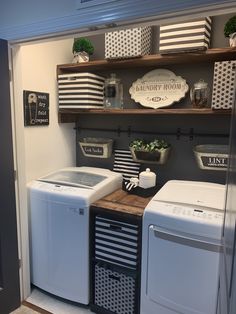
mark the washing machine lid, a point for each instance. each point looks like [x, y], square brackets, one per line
[75, 178]
[83, 185]
[201, 194]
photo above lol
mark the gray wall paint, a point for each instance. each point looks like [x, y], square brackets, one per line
[181, 164]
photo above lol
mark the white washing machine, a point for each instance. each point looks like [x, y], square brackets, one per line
[59, 228]
[181, 243]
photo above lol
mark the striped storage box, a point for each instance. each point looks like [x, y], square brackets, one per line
[223, 85]
[128, 43]
[80, 90]
[187, 36]
[124, 164]
[116, 242]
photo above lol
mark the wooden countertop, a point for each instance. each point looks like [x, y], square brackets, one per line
[123, 202]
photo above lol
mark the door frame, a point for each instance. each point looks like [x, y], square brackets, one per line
[19, 163]
[18, 137]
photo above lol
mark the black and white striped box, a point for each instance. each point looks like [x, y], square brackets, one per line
[128, 43]
[80, 90]
[186, 36]
[223, 85]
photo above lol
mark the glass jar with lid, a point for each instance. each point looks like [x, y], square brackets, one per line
[199, 94]
[113, 92]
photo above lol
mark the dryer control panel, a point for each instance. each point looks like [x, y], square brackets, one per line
[186, 218]
[195, 212]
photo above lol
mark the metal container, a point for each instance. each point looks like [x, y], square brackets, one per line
[212, 157]
[155, 157]
[96, 147]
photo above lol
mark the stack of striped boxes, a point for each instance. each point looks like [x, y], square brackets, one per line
[186, 36]
[80, 91]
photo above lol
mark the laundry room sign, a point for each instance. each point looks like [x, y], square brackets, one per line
[36, 108]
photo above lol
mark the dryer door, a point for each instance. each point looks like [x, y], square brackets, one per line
[182, 272]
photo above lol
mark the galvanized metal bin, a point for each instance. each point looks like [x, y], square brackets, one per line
[96, 147]
[155, 157]
[211, 157]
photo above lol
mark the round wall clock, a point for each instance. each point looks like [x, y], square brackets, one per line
[158, 88]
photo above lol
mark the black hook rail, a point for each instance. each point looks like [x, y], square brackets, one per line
[178, 133]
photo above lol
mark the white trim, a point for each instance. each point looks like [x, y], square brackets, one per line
[21, 191]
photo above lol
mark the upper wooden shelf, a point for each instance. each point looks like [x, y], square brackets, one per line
[71, 115]
[216, 54]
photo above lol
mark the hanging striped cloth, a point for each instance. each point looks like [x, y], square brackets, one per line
[124, 164]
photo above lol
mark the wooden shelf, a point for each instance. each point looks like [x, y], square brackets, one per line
[71, 115]
[210, 55]
[216, 54]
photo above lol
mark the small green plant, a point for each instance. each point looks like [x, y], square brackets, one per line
[230, 26]
[155, 145]
[83, 44]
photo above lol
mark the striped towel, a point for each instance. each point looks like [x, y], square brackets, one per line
[124, 164]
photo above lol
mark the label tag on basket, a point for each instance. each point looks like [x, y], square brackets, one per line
[215, 162]
[93, 150]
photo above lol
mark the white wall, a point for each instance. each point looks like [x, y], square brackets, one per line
[39, 149]
[46, 147]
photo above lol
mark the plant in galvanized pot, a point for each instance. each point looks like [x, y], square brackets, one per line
[156, 151]
[82, 49]
[230, 31]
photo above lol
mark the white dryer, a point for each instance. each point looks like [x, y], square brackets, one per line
[59, 228]
[181, 243]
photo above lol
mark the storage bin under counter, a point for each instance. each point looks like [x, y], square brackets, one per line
[116, 237]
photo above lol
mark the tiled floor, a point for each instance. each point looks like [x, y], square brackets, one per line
[24, 310]
[53, 305]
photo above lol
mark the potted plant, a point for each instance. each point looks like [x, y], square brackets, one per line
[230, 31]
[156, 151]
[82, 49]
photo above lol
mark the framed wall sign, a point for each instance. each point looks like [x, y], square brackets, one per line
[36, 108]
[158, 88]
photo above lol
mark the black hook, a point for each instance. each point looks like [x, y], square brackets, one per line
[178, 133]
[118, 131]
[129, 131]
[191, 133]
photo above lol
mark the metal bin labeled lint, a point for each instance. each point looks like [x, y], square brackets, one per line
[212, 157]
